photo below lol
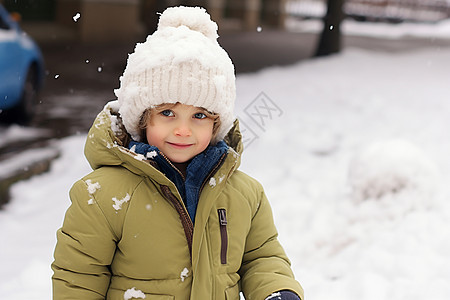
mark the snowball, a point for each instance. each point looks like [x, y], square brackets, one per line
[390, 167]
[118, 203]
[133, 293]
[184, 274]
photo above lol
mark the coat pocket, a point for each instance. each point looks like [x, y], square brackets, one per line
[223, 235]
[232, 292]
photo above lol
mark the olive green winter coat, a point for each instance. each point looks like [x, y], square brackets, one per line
[127, 234]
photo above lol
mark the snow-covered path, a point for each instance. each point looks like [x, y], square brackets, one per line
[324, 113]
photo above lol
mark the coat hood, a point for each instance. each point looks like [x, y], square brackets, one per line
[105, 145]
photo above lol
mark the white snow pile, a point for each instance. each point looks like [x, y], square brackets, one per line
[16, 133]
[357, 125]
[354, 28]
[387, 168]
[26, 159]
[29, 221]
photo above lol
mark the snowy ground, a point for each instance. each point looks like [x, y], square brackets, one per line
[374, 122]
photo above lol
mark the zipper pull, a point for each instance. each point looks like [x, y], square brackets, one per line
[222, 216]
[223, 235]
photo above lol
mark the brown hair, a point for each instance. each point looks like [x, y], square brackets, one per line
[149, 112]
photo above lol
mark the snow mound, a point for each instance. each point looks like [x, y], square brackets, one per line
[195, 18]
[391, 167]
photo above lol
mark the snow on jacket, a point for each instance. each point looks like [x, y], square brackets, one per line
[127, 234]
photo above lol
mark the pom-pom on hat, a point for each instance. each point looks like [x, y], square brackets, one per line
[180, 62]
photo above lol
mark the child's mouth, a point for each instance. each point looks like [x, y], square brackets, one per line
[179, 145]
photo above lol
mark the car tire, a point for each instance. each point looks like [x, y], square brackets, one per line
[23, 112]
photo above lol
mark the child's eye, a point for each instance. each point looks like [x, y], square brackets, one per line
[167, 113]
[199, 116]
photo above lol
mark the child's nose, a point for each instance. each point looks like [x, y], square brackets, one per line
[183, 129]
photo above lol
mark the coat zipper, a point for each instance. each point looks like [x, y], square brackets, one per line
[186, 221]
[172, 165]
[223, 235]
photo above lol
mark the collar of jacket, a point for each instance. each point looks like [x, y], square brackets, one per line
[199, 169]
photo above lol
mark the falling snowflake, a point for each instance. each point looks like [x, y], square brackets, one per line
[76, 17]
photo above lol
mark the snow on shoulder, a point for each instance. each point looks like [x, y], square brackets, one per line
[92, 188]
[389, 167]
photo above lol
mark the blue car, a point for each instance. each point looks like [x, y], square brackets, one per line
[21, 71]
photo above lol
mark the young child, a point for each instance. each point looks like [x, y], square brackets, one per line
[166, 214]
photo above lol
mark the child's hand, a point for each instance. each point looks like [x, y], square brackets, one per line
[283, 295]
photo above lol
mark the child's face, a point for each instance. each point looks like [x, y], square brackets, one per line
[180, 131]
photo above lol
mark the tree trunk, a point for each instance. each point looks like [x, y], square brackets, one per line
[330, 39]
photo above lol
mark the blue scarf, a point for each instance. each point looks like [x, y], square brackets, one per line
[198, 170]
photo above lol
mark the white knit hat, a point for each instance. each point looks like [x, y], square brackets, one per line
[180, 62]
